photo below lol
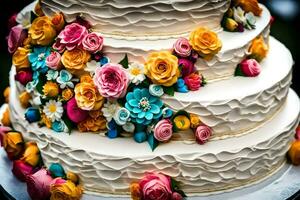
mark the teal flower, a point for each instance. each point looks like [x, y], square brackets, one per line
[56, 170]
[156, 90]
[38, 59]
[32, 114]
[143, 106]
[65, 79]
[59, 126]
[52, 75]
[121, 116]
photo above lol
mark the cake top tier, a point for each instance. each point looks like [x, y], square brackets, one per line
[144, 18]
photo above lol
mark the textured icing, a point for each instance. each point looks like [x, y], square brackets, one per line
[235, 110]
[117, 18]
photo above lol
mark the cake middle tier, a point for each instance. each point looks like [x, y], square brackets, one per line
[241, 104]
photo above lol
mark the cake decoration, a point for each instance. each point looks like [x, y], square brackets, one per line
[294, 151]
[156, 186]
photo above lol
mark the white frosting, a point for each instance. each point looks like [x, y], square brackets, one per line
[151, 18]
[239, 104]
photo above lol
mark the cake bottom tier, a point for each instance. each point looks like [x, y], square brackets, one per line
[108, 166]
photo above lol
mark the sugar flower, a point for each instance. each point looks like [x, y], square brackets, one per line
[239, 15]
[51, 75]
[121, 116]
[65, 79]
[53, 110]
[143, 106]
[92, 66]
[136, 73]
[38, 58]
[109, 109]
[156, 90]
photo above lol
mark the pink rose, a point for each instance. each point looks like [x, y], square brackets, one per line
[58, 181]
[182, 47]
[250, 67]
[111, 80]
[72, 35]
[15, 38]
[202, 134]
[176, 196]
[38, 184]
[53, 60]
[21, 170]
[58, 46]
[3, 131]
[187, 66]
[193, 81]
[156, 187]
[92, 42]
[24, 76]
[163, 130]
[74, 113]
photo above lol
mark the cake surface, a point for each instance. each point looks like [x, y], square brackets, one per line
[251, 120]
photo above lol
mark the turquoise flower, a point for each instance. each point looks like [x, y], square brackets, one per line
[59, 126]
[30, 86]
[38, 59]
[181, 86]
[52, 75]
[121, 116]
[65, 79]
[143, 106]
[156, 90]
[56, 170]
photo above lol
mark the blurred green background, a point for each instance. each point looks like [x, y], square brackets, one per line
[285, 28]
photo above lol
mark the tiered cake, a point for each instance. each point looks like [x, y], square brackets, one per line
[252, 119]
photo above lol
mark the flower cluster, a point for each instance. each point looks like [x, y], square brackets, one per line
[294, 151]
[42, 183]
[68, 82]
[155, 186]
[241, 14]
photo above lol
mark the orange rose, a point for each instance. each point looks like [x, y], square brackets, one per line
[86, 78]
[51, 89]
[162, 68]
[24, 98]
[72, 177]
[67, 94]
[46, 121]
[88, 97]
[42, 31]
[195, 120]
[95, 114]
[93, 125]
[6, 94]
[294, 152]
[6, 118]
[58, 21]
[249, 6]
[65, 191]
[13, 144]
[27, 43]
[135, 191]
[205, 42]
[31, 154]
[20, 58]
[258, 49]
[75, 60]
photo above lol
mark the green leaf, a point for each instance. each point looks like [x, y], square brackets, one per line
[204, 82]
[68, 123]
[238, 71]
[153, 143]
[174, 184]
[169, 90]
[124, 62]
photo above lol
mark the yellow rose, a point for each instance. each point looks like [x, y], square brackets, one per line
[93, 125]
[51, 89]
[162, 68]
[195, 121]
[86, 78]
[6, 118]
[67, 94]
[6, 94]
[182, 122]
[95, 114]
[46, 121]
[249, 6]
[205, 42]
[13, 144]
[65, 191]
[88, 97]
[20, 58]
[135, 191]
[42, 31]
[230, 24]
[72, 177]
[258, 49]
[27, 43]
[24, 98]
[75, 60]
[31, 154]
[294, 152]
[58, 21]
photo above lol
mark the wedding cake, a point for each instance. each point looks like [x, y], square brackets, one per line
[112, 90]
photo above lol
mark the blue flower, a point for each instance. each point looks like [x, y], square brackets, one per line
[38, 59]
[59, 126]
[167, 112]
[112, 129]
[156, 90]
[32, 114]
[143, 106]
[121, 116]
[65, 79]
[181, 86]
[52, 75]
[56, 170]
[104, 60]
[140, 137]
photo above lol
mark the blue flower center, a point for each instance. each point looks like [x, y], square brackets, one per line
[41, 56]
[144, 104]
